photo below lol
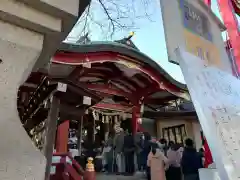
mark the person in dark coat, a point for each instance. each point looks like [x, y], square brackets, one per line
[146, 151]
[191, 161]
[140, 153]
[110, 154]
[129, 148]
[164, 145]
[201, 154]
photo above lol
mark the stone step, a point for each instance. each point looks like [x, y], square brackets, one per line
[102, 176]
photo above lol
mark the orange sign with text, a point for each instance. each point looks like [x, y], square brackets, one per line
[202, 48]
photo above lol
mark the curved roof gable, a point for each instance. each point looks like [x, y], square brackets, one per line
[121, 49]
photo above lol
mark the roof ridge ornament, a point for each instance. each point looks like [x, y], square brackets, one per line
[127, 41]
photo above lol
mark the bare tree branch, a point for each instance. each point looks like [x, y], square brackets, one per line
[113, 16]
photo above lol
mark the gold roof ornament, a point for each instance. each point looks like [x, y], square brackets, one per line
[132, 33]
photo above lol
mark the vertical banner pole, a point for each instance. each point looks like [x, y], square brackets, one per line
[231, 23]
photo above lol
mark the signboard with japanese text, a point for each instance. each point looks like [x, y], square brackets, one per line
[216, 98]
[192, 26]
[202, 48]
[195, 21]
[198, 34]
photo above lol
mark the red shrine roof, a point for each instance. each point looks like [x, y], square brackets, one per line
[120, 75]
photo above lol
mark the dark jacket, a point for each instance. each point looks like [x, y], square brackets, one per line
[191, 161]
[146, 149]
[147, 145]
[129, 144]
[118, 142]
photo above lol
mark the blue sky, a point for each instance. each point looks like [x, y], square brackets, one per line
[149, 38]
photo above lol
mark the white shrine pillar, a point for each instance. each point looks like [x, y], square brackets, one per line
[30, 31]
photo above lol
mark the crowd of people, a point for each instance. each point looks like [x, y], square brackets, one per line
[158, 160]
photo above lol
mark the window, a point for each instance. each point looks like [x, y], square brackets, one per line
[176, 134]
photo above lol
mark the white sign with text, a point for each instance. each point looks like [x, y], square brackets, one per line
[216, 97]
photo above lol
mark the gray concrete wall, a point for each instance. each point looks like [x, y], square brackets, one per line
[149, 125]
[30, 33]
[18, 156]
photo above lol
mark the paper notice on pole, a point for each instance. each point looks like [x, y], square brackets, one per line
[216, 97]
[62, 87]
[87, 100]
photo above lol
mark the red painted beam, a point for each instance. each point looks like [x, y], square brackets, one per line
[126, 83]
[81, 58]
[109, 90]
[62, 137]
[103, 72]
[230, 21]
[208, 2]
[135, 116]
[139, 93]
[114, 75]
[145, 92]
[159, 101]
[117, 107]
[100, 57]
[122, 81]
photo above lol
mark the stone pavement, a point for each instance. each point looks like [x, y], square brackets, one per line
[118, 177]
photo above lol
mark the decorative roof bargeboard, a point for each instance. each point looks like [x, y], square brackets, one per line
[73, 54]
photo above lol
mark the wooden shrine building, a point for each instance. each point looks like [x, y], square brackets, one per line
[104, 82]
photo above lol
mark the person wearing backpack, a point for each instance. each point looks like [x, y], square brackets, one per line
[191, 161]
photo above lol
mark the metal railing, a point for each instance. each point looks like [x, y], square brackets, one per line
[64, 167]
